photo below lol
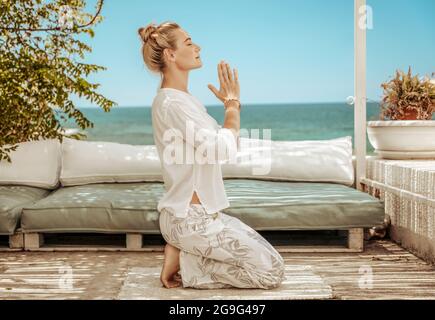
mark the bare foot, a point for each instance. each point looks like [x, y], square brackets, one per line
[177, 276]
[169, 276]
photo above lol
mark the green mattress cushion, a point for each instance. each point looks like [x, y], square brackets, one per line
[12, 200]
[103, 207]
[270, 205]
[264, 205]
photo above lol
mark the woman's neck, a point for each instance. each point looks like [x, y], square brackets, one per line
[177, 81]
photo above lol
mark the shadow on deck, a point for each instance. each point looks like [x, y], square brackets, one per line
[394, 272]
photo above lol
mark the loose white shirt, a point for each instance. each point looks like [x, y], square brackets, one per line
[191, 146]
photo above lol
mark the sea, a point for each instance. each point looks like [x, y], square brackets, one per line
[291, 122]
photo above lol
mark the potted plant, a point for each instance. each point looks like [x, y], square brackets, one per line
[405, 129]
[407, 97]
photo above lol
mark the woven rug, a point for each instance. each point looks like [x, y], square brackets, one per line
[301, 283]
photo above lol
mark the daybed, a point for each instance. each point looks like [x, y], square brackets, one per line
[81, 187]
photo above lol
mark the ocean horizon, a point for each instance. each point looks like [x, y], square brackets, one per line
[287, 121]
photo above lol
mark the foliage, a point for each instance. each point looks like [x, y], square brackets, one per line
[405, 94]
[41, 66]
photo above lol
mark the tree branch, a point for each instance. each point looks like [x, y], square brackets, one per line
[100, 6]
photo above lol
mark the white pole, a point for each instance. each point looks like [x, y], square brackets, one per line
[360, 26]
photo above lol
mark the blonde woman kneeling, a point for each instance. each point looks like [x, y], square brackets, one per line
[206, 248]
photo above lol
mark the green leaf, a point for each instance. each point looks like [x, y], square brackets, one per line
[39, 71]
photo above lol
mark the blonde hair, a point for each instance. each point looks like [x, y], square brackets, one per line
[154, 40]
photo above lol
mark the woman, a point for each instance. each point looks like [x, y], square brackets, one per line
[206, 247]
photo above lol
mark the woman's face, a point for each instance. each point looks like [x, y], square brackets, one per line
[187, 53]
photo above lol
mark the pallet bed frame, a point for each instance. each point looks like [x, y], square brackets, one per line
[134, 242]
[15, 242]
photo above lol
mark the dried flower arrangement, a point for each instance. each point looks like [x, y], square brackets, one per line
[407, 97]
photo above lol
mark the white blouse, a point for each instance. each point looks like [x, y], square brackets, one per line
[191, 147]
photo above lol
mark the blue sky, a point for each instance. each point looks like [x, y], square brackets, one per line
[285, 50]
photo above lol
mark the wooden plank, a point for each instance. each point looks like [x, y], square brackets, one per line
[33, 240]
[134, 241]
[397, 274]
[315, 249]
[102, 248]
[11, 242]
[355, 239]
[16, 241]
[159, 248]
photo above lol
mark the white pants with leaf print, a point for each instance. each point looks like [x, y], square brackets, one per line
[220, 251]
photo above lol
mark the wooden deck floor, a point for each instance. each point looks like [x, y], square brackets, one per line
[397, 274]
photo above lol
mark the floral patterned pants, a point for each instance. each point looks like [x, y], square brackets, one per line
[220, 251]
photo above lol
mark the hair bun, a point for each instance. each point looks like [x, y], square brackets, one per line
[146, 32]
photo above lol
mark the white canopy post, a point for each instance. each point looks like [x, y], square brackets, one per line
[360, 61]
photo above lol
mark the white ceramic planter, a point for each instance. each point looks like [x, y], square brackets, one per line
[403, 139]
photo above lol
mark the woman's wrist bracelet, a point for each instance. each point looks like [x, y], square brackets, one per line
[229, 100]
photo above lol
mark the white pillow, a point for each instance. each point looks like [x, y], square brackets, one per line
[34, 163]
[86, 162]
[309, 160]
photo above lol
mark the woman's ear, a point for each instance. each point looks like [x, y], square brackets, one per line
[169, 54]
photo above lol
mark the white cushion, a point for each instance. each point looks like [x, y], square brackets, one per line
[86, 162]
[34, 163]
[309, 160]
